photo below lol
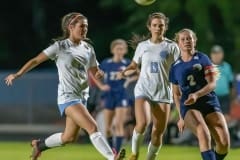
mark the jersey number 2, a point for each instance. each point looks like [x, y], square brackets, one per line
[191, 80]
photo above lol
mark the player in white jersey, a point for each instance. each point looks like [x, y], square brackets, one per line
[155, 56]
[74, 58]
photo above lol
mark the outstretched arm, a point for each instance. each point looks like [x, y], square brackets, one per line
[32, 63]
[176, 97]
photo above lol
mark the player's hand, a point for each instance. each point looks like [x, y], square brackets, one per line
[192, 98]
[119, 75]
[105, 87]
[9, 79]
[99, 74]
[180, 125]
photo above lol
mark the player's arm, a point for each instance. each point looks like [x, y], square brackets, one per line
[177, 96]
[93, 74]
[32, 63]
[129, 70]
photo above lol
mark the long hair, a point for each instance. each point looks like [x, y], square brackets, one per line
[138, 38]
[70, 19]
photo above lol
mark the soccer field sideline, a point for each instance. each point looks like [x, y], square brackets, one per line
[22, 150]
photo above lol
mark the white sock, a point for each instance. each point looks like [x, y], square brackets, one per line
[101, 145]
[152, 151]
[136, 141]
[54, 140]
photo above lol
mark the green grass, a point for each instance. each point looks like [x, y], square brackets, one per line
[22, 150]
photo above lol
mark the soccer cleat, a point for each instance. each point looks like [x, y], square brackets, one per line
[35, 150]
[121, 155]
[133, 157]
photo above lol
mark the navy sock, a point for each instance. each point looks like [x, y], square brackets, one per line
[110, 141]
[208, 155]
[220, 156]
[118, 143]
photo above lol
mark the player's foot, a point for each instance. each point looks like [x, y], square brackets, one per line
[121, 155]
[133, 157]
[35, 150]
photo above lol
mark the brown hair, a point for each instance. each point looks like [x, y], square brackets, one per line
[69, 19]
[138, 38]
[117, 42]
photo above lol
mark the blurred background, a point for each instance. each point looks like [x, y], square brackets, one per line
[29, 107]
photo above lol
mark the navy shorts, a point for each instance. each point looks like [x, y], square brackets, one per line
[115, 99]
[205, 109]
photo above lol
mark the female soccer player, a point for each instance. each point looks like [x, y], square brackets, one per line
[155, 56]
[114, 93]
[194, 78]
[74, 58]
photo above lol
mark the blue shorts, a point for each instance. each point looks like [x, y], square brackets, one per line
[63, 106]
[205, 109]
[115, 99]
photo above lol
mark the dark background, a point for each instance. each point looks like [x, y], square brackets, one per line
[27, 27]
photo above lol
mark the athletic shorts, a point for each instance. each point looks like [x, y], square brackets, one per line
[63, 106]
[115, 99]
[204, 109]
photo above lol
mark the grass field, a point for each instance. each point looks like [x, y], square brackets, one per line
[22, 150]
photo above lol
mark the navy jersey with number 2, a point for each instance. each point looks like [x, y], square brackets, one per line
[190, 77]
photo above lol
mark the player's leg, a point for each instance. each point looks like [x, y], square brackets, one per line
[120, 119]
[139, 129]
[195, 122]
[108, 119]
[218, 127]
[160, 115]
[82, 118]
[70, 134]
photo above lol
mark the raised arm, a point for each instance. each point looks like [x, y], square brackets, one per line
[32, 63]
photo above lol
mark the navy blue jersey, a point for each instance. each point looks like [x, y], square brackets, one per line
[190, 76]
[111, 69]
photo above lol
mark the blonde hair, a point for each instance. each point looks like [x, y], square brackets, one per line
[117, 42]
[176, 38]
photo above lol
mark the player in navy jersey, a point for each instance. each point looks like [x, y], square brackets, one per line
[114, 94]
[74, 58]
[193, 78]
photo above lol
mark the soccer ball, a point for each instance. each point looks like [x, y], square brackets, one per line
[145, 2]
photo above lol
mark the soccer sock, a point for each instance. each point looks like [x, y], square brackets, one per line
[208, 155]
[152, 151]
[118, 143]
[101, 145]
[136, 141]
[220, 156]
[52, 141]
[110, 141]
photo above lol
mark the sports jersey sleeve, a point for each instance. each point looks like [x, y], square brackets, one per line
[138, 54]
[172, 77]
[93, 60]
[176, 52]
[52, 51]
[209, 68]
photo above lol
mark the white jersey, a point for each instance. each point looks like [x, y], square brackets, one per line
[72, 62]
[155, 61]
